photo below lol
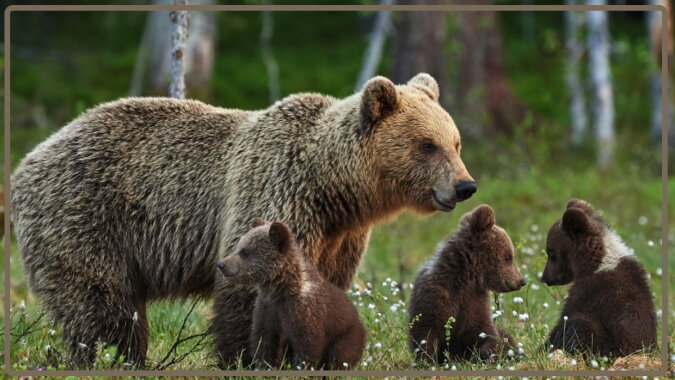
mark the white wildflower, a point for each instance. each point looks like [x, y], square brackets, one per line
[510, 352]
[482, 335]
[378, 345]
[344, 364]
[517, 299]
[642, 220]
[573, 362]
[594, 363]
[423, 341]
[371, 306]
[82, 345]
[659, 272]
[650, 243]
[523, 317]
[135, 316]
[51, 332]
[22, 305]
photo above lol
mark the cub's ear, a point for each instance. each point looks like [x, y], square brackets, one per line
[581, 204]
[256, 222]
[575, 221]
[379, 99]
[426, 83]
[280, 236]
[479, 219]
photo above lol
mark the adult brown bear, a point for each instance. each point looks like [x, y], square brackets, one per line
[137, 199]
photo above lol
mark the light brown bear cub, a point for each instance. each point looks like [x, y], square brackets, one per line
[455, 283]
[609, 308]
[296, 311]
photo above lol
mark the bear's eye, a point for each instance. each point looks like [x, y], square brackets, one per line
[509, 258]
[427, 146]
[243, 253]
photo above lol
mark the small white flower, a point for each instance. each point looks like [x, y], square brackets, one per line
[650, 243]
[545, 305]
[135, 316]
[499, 366]
[378, 345]
[510, 352]
[126, 364]
[371, 306]
[642, 220]
[344, 364]
[107, 355]
[482, 335]
[82, 345]
[565, 317]
[22, 305]
[51, 332]
[512, 368]
[550, 356]
[641, 366]
[413, 364]
[594, 363]
[517, 299]
[659, 272]
[523, 317]
[521, 351]
[453, 368]
[416, 350]
[423, 341]
[514, 313]
[534, 228]
[534, 286]
[47, 347]
[573, 362]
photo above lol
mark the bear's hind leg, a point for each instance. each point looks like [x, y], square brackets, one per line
[580, 334]
[347, 349]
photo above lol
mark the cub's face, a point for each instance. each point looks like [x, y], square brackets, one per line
[255, 258]
[567, 243]
[417, 144]
[494, 250]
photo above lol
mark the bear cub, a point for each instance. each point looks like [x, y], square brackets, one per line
[296, 311]
[609, 308]
[455, 282]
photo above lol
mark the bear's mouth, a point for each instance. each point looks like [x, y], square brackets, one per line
[444, 206]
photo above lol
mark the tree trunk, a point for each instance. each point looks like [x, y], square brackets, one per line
[419, 45]
[575, 92]
[601, 83]
[483, 84]
[152, 71]
[179, 30]
[373, 55]
[268, 58]
[654, 32]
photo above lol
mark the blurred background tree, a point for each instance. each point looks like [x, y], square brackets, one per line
[536, 75]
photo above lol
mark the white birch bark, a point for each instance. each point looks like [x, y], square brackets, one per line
[179, 29]
[575, 92]
[601, 83]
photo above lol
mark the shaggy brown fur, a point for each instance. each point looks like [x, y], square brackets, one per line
[137, 199]
[609, 309]
[475, 259]
[295, 305]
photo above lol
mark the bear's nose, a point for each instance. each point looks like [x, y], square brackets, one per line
[522, 282]
[465, 189]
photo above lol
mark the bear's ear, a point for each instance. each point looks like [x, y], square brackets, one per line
[575, 221]
[580, 204]
[479, 219]
[257, 222]
[426, 83]
[379, 99]
[280, 236]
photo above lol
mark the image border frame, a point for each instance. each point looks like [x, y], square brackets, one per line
[341, 8]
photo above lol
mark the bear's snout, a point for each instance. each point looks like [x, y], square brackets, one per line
[465, 189]
[223, 268]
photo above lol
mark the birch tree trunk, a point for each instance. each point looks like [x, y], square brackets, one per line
[179, 20]
[601, 84]
[655, 35]
[268, 58]
[373, 55]
[574, 51]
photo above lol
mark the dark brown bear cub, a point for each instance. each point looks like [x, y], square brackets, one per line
[609, 309]
[455, 283]
[296, 311]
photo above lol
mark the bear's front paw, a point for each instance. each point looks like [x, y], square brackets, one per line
[487, 350]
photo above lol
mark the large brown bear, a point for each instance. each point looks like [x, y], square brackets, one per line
[137, 199]
[297, 311]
